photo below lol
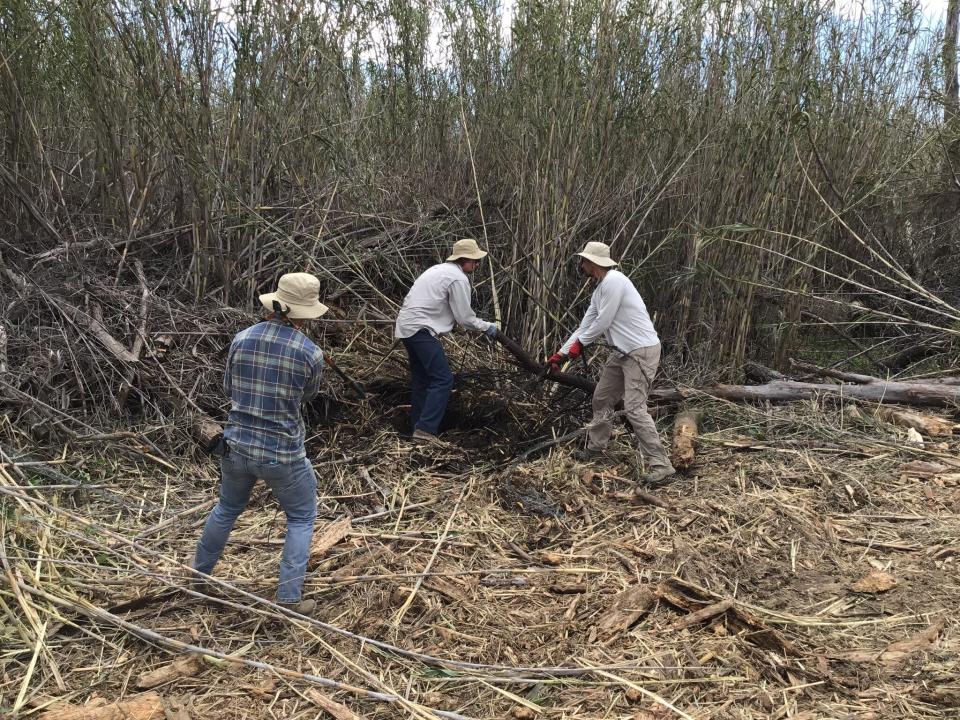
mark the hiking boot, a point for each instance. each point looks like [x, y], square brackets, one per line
[202, 586]
[658, 476]
[304, 607]
[586, 454]
[424, 436]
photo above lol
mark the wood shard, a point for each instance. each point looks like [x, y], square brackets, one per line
[923, 640]
[704, 614]
[331, 706]
[874, 582]
[926, 424]
[182, 667]
[626, 608]
[332, 534]
[148, 706]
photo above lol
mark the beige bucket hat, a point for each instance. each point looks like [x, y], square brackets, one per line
[298, 295]
[598, 253]
[466, 248]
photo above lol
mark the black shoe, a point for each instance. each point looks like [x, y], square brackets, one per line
[202, 586]
[586, 454]
[659, 476]
[425, 437]
[304, 607]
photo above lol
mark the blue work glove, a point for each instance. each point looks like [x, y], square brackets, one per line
[491, 332]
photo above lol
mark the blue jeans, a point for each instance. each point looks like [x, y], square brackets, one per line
[294, 485]
[430, 381]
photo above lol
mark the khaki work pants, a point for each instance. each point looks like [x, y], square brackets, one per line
[629, 377]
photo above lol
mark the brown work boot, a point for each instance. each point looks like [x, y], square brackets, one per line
[304, 607]
[658, 476]
[424, 436]
[202, 586]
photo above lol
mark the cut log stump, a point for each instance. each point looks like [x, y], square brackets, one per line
[684, 439]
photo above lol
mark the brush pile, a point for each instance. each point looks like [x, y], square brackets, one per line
[802, 566]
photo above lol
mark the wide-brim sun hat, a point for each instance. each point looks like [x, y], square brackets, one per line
[597, 253]
[466, 249]
[298, 295]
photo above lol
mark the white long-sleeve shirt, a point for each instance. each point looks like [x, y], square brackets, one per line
[619, 314]
[438, 298]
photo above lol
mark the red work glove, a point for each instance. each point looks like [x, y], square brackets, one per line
[575, 350]
[554, 362]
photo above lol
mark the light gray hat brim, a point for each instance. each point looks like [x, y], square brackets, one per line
[295, 310]
[597, 260]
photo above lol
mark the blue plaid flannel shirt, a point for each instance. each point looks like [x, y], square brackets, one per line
[271, 369]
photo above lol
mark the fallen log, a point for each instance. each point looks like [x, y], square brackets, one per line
[789, 390]
[858, 387]
[331, 706]
[332, 534]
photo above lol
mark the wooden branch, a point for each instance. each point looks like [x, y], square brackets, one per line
[331, 706]
[761, 373]
[534, 368]
[96, 328]
[186, 666]
[138, 342]
[831, 373]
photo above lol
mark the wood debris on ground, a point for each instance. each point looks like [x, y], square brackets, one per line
[805, 552]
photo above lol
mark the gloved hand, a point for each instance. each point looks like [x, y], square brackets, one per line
[553, 362]
[575, 350]
[491, 332]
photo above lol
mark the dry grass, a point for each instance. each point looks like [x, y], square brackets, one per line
[451, 593]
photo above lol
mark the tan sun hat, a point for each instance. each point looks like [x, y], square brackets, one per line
[598, 253]
[298, 295]
[466, 248]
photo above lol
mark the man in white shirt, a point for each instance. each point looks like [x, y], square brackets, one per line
[438, 298]
[618, 313]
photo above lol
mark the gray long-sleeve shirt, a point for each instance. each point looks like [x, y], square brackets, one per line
[619, 314]
[438, 298]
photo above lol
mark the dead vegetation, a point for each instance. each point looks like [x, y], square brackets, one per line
[780, 186]
[804, 565]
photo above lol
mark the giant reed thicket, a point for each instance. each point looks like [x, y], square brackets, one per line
[762, 168]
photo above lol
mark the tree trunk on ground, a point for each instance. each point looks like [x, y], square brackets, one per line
[788, 390]
[860, 387]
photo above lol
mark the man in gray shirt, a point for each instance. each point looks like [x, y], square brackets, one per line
[618, 314]
[439, 298]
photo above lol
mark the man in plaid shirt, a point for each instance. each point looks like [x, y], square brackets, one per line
[271, 368]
